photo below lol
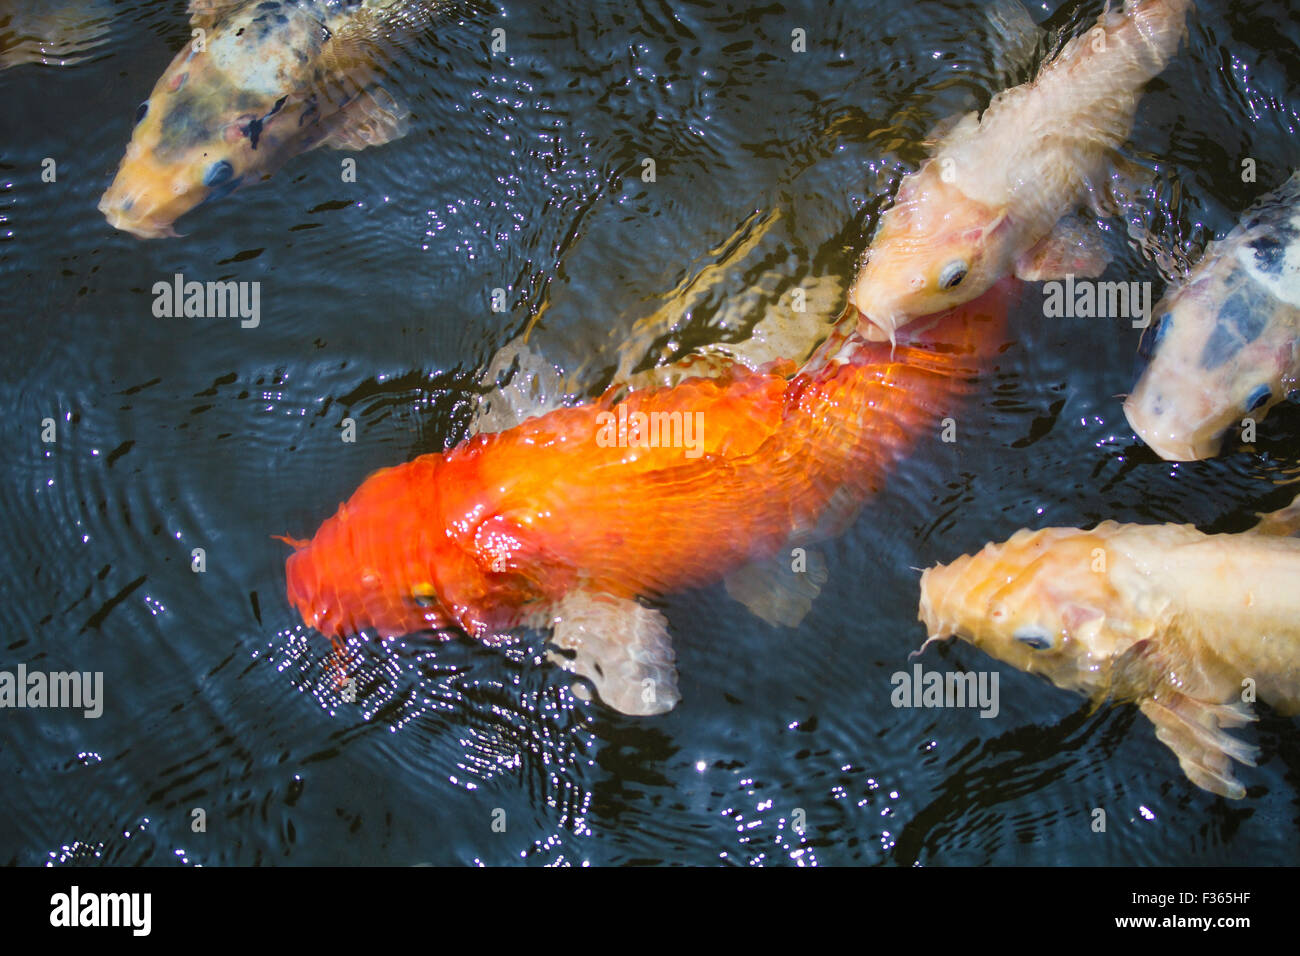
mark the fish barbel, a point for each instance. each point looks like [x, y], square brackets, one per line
[566, 519]
[1183, 624]
[260, 82]
[1225, 343]
[997, 193]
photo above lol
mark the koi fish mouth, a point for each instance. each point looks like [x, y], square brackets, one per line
[119, 216]
[1176, 416]
[887, 329]
[1169, 443]
[877, 330]
[302, 594]
[338, 600]
[873, 327]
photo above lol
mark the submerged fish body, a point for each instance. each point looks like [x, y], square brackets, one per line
[1226, 343]
[566, 519]
[996, 195]
[52, 32]
[264, 81]
[1187, 625]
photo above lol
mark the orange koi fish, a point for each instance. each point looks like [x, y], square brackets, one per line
[566, 519]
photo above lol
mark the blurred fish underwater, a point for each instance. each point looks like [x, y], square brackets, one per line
[1224, 344]
[53, 33]
[585, 196]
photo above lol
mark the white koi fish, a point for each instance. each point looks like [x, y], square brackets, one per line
[1188, 626]
[1226, 341]
[997, 194]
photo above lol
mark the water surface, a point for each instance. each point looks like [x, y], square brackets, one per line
[523, 172]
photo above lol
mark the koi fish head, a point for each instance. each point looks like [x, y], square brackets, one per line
[1223, 351]
[373, 566]
[935, 249]
[1042, 602]
[222, 115]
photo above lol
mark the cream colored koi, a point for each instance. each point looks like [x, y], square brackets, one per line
[997, 194]
[1188, 626]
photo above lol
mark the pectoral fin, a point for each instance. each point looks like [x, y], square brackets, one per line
[521, 385]
[373, 117]
[1127, 186]
[1013, 39]
[375, 34]
[619, 645]
[1074, 248]
[377, 30]
[960, 124]
[1283, 523]
[205, 13]
[781, 591]
[1192, 701]
[1193, 730]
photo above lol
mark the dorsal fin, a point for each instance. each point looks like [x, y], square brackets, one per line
[205, 14]
[779, 590]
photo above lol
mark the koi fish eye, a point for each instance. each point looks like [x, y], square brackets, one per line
[1038, 639]
[953, 274]
[218, 173]
[424, 595]
[1258, 397]
[141, 112]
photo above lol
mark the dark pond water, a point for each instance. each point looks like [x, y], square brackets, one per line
[522, 171]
